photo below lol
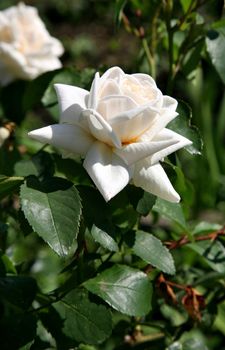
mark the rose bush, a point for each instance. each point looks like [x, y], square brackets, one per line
[26, 47]
[119, 128]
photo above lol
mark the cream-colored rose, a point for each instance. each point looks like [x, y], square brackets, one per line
[26, 48]
[119, 128]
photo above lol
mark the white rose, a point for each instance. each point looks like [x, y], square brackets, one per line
[119, 129]
[26, 48]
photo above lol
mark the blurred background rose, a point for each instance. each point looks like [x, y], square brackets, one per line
[26, 48]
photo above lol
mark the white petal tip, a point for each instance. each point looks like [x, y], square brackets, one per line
[42, 134]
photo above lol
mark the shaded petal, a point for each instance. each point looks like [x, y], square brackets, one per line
[72, 101]
[107, 170]
[93, 96]
[153, 179]
[100, 129]
[136, 151]
[130, 125]
[70, 138]
[111, 106]
[169, 103]
[176, 142]
[165, 115]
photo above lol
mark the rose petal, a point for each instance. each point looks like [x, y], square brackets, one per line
[153, 179]
[143, 78]
[130, 125]
[72, 101]
[136, 151]
[176, 142]
[111, 106]
[109, 87]
[12, 59]
[141, 91]
[68, 137]
[107, 170]
[115, 73]
[93, 96]
[169, 103]
[99, 128]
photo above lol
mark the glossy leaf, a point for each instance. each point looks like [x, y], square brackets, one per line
[40, 164]
[53, 209]
[125, 289]
[9, 184]
[150, 249]
[84, 321]
[213, 253]
[182, 125]
[172, 211]
[215, 43]
[146, 203]
[104, 239]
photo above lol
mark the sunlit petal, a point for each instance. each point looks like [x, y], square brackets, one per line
[153, 179]
[107, 170]
[111, 106]
[136, 151]
[176, 141]
[93, 96]
[130, 125]
[68, 137]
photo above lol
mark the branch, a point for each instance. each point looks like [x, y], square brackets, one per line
[185, 240]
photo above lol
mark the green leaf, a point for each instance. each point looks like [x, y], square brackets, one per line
[40, 164]
[84, 321]
[150, 249]
[125, 289]
[185, 4]
[182, 125]
[104, 239]
[213, 253]
[36, 88]
[119, 6]
[122, 212]
[215, 43]
[53, 209]
[18, 290]
[64, 76]
[9, 184]
[172, 211]
[146, 203]
[6, 265]
[193, 58]
[205, 227]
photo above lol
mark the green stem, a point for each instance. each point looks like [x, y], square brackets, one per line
[170, 54]
[209, 141]
[151, 61]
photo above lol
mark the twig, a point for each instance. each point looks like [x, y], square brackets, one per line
[185, 240]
